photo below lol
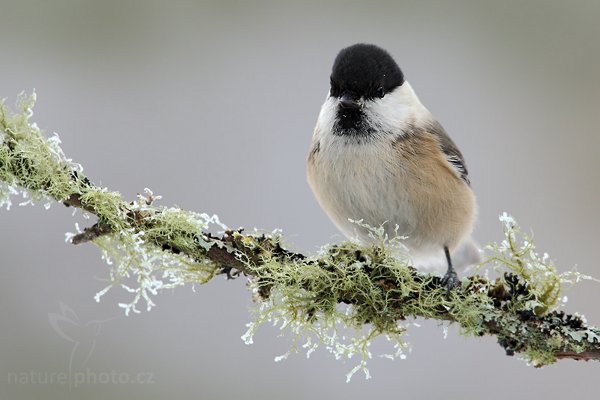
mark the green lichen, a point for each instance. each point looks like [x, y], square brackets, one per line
[517, 253]
[107, 206]
[30, 160]
[380, 292]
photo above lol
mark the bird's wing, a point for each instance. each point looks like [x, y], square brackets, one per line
[452, 153]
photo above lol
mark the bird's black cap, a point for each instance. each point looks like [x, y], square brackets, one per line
[364, 70]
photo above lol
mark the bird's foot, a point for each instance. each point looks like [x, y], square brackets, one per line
[450, 280]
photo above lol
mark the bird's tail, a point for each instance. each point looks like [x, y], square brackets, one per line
[467, 254]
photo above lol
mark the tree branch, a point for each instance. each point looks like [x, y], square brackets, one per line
[381, 289]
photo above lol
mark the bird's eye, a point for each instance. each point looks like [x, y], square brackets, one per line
[380, 91]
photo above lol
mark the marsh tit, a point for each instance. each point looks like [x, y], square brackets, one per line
[378, 155]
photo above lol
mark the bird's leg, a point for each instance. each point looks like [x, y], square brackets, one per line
[450, 280]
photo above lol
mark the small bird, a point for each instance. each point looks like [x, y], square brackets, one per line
[378, 155]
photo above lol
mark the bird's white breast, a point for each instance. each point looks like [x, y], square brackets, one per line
[361, 181]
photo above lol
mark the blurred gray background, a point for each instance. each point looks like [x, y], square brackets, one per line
[212, 105]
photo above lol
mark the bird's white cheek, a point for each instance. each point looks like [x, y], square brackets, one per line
[388, 114]
[326, 116]
[380, 115]
[396, 109]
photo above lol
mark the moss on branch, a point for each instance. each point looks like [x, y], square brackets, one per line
[340, 299]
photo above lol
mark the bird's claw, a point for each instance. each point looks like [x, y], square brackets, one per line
[450, 280]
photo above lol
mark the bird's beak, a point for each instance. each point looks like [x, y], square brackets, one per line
[349, 101]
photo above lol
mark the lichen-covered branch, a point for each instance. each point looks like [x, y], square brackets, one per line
[340, 299]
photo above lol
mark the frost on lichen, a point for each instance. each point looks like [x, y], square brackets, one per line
[341, 299]
[335, 300]
[517, 254]
[35, 168]
[31, 164]
[141, 267]
[350, 294]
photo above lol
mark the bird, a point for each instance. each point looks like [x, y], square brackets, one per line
[378, 155]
